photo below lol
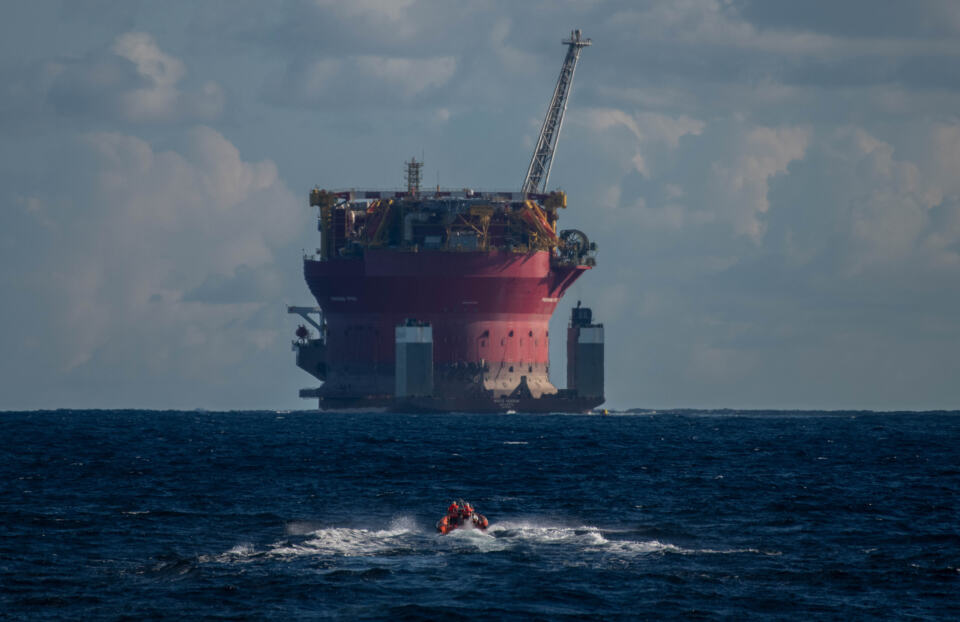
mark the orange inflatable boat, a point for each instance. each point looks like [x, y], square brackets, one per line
[461, 514]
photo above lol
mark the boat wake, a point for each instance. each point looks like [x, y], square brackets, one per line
[404, 537]
[588, 538]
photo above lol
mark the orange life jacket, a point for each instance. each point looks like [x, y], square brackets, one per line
[444, 525]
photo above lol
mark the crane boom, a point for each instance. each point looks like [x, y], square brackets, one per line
[539, 171]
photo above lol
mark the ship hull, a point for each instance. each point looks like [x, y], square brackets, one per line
[489, 312]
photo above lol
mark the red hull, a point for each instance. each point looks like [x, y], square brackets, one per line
[490, 312]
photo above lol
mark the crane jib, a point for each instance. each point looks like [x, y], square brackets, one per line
[539, 170]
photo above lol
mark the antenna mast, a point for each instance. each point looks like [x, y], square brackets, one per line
[539, 171]
[413, 176]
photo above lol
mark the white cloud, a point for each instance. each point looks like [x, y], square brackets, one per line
[640, 164]
[606, 118]
[667, 129]
[888, 208]
[226, 178]
[740, 182]
[647, 128]
[133, 81]
[140, 48]
[161, 99]
[148, 226]
[856, 206]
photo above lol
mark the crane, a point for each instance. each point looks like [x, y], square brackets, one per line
[539, 171]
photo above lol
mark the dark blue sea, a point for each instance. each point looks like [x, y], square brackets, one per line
[265, 515]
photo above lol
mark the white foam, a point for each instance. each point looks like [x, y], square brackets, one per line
[404, 535]
[584, 536]
[480, 540]
[633, 547]
[590, 538]
[329, 541]
[242, 550]
[350, 542]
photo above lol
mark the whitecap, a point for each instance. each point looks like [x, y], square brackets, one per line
[349, 541]
[242, 550]
[593, 539]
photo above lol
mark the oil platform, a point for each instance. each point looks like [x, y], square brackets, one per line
[441, 300]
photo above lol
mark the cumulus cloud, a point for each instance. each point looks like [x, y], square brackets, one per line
[134, 80]
[868, 211]
[740, 187]
[606, 118]
[140, 48]
[887, 212]
[647, 128]
[161, 266]
[669, 129]
[843, 283]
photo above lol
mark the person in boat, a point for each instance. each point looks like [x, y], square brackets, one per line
[452, 519]
[469, 514]
[458, 514]
[479, 521]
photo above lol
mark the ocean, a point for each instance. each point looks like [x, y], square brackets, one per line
[294, 515]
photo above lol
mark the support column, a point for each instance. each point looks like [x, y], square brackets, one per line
[584, 354]
[414, 362]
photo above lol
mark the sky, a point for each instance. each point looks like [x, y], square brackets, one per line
[774, 186]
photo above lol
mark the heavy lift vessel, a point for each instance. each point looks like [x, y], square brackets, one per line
[441, 300]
